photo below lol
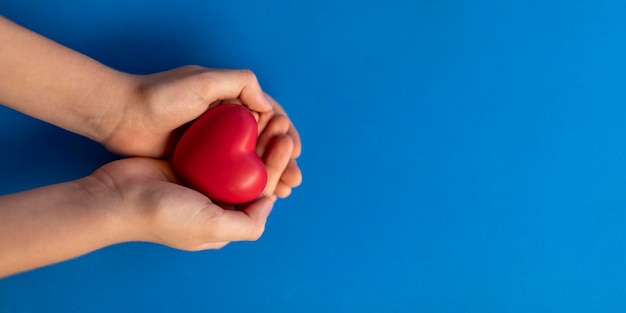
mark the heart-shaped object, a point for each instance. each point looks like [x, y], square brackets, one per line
[216, 155]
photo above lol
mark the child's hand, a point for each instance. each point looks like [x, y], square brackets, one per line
[134, 199]
[148, 121]
[154, 207]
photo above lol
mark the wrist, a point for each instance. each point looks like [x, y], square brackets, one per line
[113, 221]
[116, 93]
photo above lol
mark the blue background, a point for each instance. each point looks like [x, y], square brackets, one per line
[459, 156]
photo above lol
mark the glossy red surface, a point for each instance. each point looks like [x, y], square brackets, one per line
[216, 155]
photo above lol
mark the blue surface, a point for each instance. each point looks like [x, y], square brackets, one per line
[458, 156]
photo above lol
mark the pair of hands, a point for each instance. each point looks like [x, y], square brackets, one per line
[138, 198]
[146, 124]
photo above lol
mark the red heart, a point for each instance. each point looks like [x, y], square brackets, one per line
[216, 155]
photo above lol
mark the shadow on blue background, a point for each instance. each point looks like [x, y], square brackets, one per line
[458, 157]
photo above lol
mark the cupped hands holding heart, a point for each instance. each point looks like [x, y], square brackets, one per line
[142, 117]
[164, 103]
[226, 138]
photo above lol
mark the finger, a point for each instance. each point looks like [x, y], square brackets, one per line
[233, 101]
[264, 119]
[282, 190]
[277, 107]
[292, 176]
[278, 125]
[246, 224]
[293, 132]
[276, 159]
[297, 143]
[237, 101]
[236, 84]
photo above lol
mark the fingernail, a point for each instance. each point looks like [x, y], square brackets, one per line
[267, 101]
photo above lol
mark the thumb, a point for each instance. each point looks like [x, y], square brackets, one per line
[246, 224]
[239, 84]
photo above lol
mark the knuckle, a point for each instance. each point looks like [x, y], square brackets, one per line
[281, 121]
[248, 75]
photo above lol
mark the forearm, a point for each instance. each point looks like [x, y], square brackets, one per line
[54, 223]
[48, 81]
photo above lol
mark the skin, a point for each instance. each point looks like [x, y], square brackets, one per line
[138, 198]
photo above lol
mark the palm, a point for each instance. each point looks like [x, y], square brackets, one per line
[168, 213]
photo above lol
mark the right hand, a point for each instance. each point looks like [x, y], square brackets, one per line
[154, 207]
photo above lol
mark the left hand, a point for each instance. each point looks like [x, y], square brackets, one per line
[148, 123]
